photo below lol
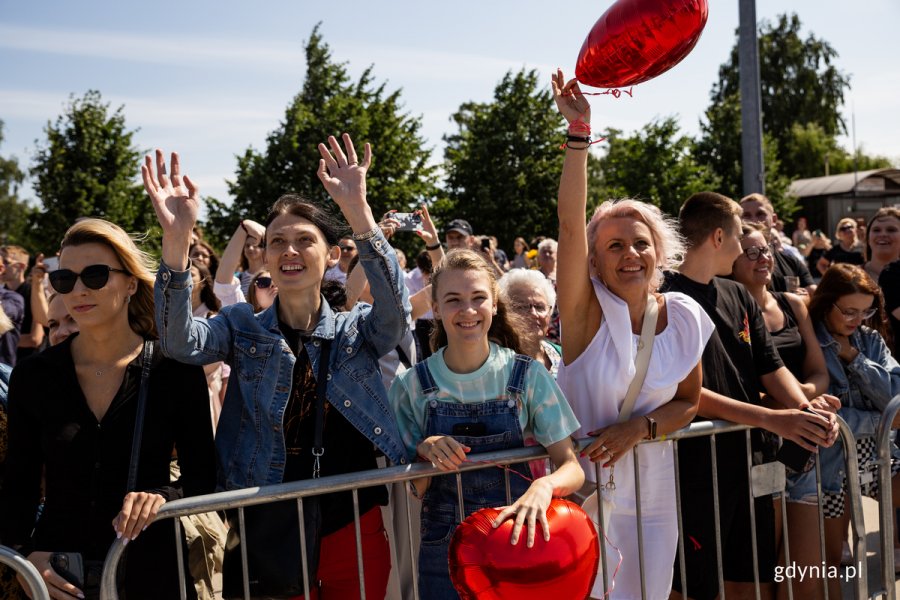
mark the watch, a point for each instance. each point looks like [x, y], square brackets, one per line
[651, 428]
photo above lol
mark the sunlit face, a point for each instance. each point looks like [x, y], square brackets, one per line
[519, 247]
[297, 253]
[59, 322]
[757, 212]
[884, 238]
[465, 305]
[754, 272]
[201, 255]
[456, 239]
[624, 254]
[730, 248]
[348, 252]
[96, 308]
[530, 304]
[547, 259]
[846, 231]
[253, 252]
[847, 314]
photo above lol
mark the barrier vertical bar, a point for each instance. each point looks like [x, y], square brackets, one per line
[640, 522]
[179, 555]
[785, 537]
[359, 552]
[414, 560]
[303, 549]
[506, 469]
[29, 573]
[857, 523]
[459, 497]
[603, 557]
[754, 543]
[682, 565]
[244, 566]
[886, 516]
[717, 515]
[821, 512]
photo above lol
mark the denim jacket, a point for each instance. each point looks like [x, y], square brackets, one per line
[250, 438]
[864, 387]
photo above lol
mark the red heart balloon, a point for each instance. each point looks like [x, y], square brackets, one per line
[636, 40]
[485, 566]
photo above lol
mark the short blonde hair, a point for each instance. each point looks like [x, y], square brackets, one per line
[134, 260]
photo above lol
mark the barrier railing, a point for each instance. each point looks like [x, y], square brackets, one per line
[886, 515]
[352, 482]
[36, 587]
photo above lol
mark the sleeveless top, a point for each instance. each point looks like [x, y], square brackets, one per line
[788, 340]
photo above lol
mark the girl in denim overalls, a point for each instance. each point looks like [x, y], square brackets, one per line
[476, 394]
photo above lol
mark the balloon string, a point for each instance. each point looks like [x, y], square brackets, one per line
[615, 93]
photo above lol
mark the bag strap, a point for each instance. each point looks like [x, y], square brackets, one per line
[321, 381]
[642, 360]
[139, 417]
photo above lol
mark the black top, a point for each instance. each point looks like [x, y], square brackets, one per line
[788, 340]
[889, 280]
[739, 351]
[24, 290]
[838, 255]
[51, 427]
[813, 259]
[788, 264]
[14, 307]
[346, 450]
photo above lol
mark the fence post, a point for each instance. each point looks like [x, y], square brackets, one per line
[29, 573]
[854, 495]
[886, 501]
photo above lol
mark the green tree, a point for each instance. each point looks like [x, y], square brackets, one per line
[14, 212]
[813, 153]
[87, 167]
[329, 104]
[504, 162]
[655, 165]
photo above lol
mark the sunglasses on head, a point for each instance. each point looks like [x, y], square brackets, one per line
[847, 227]
[93, 277]
[263, 283]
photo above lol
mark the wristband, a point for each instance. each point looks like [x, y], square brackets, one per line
[435, 247]
[366, 235]
[580, 138]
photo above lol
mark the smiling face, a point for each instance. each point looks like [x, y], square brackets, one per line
[624, 254]
[297, 253]
[836, 319]
[884, 238]
[846, 231]
[96, 308]
[465, 305]
[754, 272]
[253, 253]
[530, 303]
[758, 212]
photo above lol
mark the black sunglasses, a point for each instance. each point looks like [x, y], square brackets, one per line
[263, 283]
[93, 277]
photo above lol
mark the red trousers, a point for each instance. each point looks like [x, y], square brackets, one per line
[338, 573]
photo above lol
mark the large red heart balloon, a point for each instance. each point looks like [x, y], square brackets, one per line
[636, 40]
[485, 566]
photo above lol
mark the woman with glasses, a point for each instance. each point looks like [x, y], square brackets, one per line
[72, 420]
[848, 249]
[531, 296]
[847, 311]
[263, 291]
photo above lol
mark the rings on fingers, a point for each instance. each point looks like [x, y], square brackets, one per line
[604, 448]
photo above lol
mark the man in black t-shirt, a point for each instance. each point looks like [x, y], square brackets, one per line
[757, 208]
[738, 362]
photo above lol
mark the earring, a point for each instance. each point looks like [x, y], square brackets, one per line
[128, 299]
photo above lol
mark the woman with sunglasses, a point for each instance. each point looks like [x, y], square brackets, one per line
[848, 249]
[277, 425]
[847, 311]
[72, 415]
[263, 291]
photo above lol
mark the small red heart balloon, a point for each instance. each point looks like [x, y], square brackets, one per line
[636, 40]
[485, 566]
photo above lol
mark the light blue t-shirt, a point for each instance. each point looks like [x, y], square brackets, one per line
[544, 413]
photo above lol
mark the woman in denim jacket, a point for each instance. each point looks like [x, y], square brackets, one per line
[865, 377]
[268, 428]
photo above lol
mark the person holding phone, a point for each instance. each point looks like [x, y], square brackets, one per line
[478, 393]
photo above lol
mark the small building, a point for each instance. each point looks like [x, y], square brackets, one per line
[826, 200]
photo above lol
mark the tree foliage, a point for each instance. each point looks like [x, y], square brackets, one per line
[14, 212]
[504, 162]
[330, 104]
[656, 165]
[87, 167]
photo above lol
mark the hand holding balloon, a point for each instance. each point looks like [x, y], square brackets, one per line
[569, 99]
[443, 451]
[530, 507]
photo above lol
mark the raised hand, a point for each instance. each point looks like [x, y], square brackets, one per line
[428, 232]
[176, 199]
[344, 178]
[569, 99]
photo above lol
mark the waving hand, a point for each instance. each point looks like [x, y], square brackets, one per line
[176, 201]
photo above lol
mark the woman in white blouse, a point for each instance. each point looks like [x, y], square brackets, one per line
[608, 273]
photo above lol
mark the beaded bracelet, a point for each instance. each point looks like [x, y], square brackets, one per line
[366, 235]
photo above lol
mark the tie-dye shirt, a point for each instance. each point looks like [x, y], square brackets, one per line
[544, 413]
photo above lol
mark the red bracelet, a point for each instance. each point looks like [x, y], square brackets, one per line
[579, 127]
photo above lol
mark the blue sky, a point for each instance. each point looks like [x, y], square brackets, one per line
[210, 78]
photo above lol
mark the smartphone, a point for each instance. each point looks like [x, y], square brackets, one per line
[408, 221]
[52, 263]
[794, 456]
[470, 429]
[69, 566]
[817, 232]
[485, 244]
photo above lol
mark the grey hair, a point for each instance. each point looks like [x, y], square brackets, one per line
[528, 278]
[547, 243]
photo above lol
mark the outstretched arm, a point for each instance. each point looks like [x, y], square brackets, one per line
[176, 201]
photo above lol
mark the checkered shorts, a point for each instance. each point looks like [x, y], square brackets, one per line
[866, 453]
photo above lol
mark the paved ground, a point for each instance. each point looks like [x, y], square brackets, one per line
[870, 509]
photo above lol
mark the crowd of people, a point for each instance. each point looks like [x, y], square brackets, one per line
[307, 349]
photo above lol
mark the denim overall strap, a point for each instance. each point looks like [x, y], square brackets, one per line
[425, 378]
[516, 384]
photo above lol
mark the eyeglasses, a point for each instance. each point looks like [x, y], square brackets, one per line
[525, 307]
[347, 248]
[754, 252]
[263, 283]
[93, 277]
[852, 314]
[846, 227]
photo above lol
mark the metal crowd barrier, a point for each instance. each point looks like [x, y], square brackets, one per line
[36, 587]
[886, 515]
[298, 490]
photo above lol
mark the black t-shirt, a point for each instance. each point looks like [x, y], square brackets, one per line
[838, 255]
[788, 264]
[346, 450]
[788, 340]
[889, 280]
[739, 351]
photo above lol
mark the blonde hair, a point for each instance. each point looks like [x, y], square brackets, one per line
[134, 260]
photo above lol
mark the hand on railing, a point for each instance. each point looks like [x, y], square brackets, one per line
[443, 451]
[138, 511]
[615, 441]
[57, 587]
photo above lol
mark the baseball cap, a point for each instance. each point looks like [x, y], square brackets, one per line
[460, 225]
